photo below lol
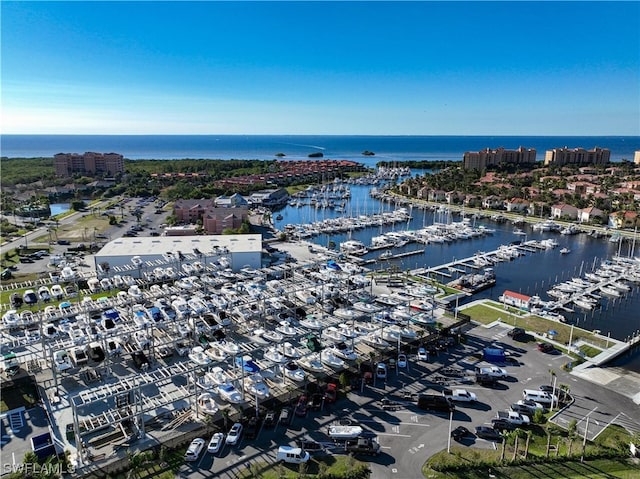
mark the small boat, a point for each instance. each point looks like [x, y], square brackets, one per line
[229, 393]
[254, 384]
[293, 371]
[247, 363]
[565, 251]
[270, 335]
[333, 334]
[311, 322]
[376, 341]
[610, 291]
[311, 363]
[346, 313]
[327, 357]
[347, 331]
[229, 347]
[217, 376]
[290, 351]
[286, 329]
[278, 217]
[519, 232]
[215, 353]
[207, 404]
[366, 307]
[343, 351]
[198, 356]
[344, 432]
[272, 354]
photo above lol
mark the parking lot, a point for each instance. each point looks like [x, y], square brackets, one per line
[408, 436]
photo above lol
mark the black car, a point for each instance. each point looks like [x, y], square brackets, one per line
[522, 409]
[546, 348]
[251, 430]
[270, 419]
[516, 333]
[285, 416]
[502, 425]
[486, 432]
[460, 433]
[309, 445]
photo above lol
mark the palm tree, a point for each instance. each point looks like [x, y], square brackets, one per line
[137, 463]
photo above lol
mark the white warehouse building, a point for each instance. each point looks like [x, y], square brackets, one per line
[151, 252]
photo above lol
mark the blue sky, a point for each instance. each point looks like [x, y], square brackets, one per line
[415, 68]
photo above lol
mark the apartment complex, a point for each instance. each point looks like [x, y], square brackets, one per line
[66, 164]
[480, 160]
[580, 156]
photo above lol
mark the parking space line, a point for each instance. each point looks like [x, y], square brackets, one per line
[587, 415]
[392, 434]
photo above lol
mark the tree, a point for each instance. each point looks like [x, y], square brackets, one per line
[137, 462]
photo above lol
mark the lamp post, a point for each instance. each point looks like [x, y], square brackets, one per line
[449, 437]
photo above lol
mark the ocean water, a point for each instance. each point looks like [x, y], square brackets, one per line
[265, 147]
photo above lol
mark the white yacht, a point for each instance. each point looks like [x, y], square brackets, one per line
[311, 322]
[294, 372]
[229, 393]
[286, 329]
[290, 351]
[273, 354]
[207, 404]
[333, 334]
[199, 357]
[343, 351]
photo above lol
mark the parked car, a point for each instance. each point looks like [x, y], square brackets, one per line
[381, 371]
[517, 333]
[270, 419]
[310, 445]
[489, 433]
[194, 449]
[546, 347]
[402, 361]
[460, 433]
[216, 442]
[503, 425]
[285, 416]
[233, 437]
[331, 393]
[422, 354]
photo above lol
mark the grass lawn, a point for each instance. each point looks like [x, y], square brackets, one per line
[485, 315]
[589, 351]
[613, 438]
[596, 469]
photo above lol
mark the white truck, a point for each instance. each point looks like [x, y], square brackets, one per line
[513, 417]
[459, 395]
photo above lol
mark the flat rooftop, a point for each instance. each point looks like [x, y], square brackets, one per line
[141, 245]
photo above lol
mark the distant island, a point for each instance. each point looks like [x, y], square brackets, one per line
[280, 155]
[317, 154]
[368, 153]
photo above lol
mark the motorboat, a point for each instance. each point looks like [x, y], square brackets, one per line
[229, 347]
[306, 296]
[57, 293]
[50, 330]
[330, 359]
[286, 329]
[198, 356]
[339, 432]
[404, 332]
[254, 384]
[421, 305]
[375, 341]
[565, 251]
[11, 318]
[44, 294]
[247, 364]
[207, 404]
[62, 361]
[290, 351]
[311, 322]
[347, 331]
[229, 393]
[215, 353]
[383, 317]
[135, 292]
[333, 334]
[269, 335]
[610, 291]
[390, 335]
[114, 347]
[343, 351]
[106, 284]
[311, 362]
[141, 340]
[217, 376]
[181, 306]
[367, 308]
[293, 371]
[346, 313]
[272, 354]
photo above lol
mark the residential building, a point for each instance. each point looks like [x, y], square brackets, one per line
[564, 211]
[190, 211]
[488, 157]
[517, 205]
[586, 215]
[66, 164]
[623, 219]
[492, 202]
[636, 157]
[580, 156]
[269, 198]
[216, 220]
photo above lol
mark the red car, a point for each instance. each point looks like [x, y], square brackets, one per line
[331, 393]
[546, 347]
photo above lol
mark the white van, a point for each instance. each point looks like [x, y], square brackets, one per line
[292, 455]
[541, 397]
